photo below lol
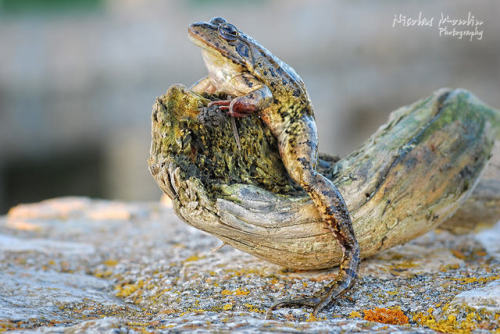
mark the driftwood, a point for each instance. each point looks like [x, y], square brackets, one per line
[407, 179]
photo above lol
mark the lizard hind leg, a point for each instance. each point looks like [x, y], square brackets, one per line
[344, 280]
[299, 153]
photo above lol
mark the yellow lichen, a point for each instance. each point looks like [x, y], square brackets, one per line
[128, 289]
[253, 308]
[103, 274]
[110, 263]
[244, 272]
[402, 266]
[449, 267]
[449, 324]
[467, 280]
[239, 292]
[193, 258]
[227, 307]
[354, 314]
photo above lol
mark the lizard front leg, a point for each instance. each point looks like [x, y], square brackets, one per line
[245, 105]
[251, 96]
[204, 85]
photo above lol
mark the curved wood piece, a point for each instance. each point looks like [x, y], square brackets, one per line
[408, 178]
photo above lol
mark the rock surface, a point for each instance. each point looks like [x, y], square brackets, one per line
[84, 265]
[487, 297]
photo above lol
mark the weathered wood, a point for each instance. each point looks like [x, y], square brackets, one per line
[482, 209]
[408, 178]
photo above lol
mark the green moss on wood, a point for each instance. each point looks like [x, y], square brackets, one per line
[209, 151]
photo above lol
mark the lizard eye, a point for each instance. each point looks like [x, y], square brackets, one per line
[217, 21]
[228, 31]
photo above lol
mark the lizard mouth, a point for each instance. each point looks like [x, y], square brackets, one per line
[196, 39]
[196, 35]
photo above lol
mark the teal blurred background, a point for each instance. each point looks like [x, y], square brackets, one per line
[78, 77]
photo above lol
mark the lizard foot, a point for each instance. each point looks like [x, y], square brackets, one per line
[313, 302]
[317, 302]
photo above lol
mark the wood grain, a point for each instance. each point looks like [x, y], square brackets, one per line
[407, 179]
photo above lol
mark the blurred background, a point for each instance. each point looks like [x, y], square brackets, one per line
[78, 77]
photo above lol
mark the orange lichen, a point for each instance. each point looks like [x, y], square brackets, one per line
[386, 316]
[6, 325]
[481, 253]
[458, 254]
